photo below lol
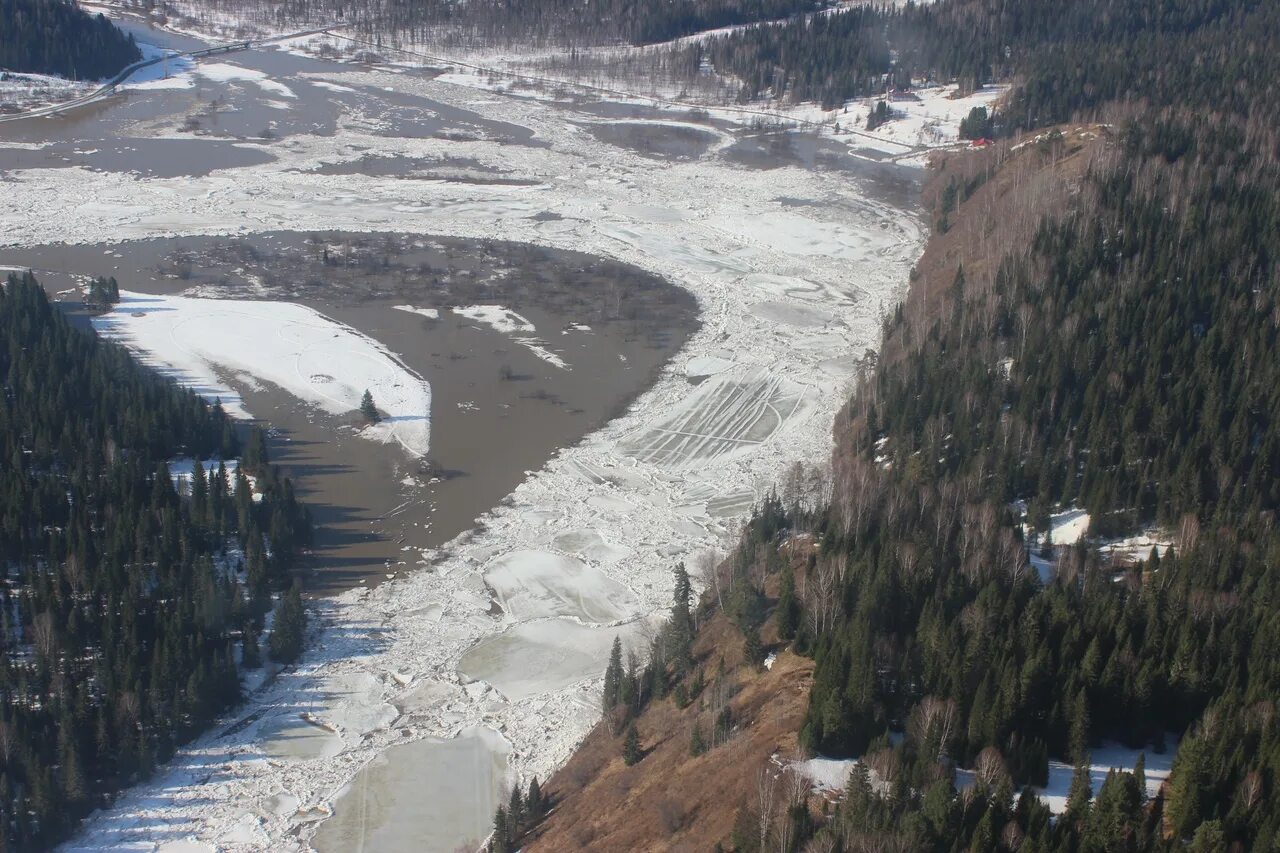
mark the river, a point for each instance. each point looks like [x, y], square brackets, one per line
[692, 295]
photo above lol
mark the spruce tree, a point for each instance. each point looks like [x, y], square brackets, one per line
[368, 409]
[288, 631]
[788, 605]
[1081, 791]
[251, 656]
[515, 813]
[613, 677]
[501, 840]
[533, 802]
[697, 744]
[753, 649]
[631, 746]
[680, 626]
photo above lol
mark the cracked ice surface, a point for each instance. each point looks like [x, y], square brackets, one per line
[666, 480]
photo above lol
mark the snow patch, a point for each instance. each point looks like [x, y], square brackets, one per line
[826, 774]
[1108, 757]
[225, 72]
[315, 358]
[429, 313]
[496, 317]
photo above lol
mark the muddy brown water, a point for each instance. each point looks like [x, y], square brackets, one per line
[498, 411]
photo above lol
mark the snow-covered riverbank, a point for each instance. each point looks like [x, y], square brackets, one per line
[203, 343]
[792, 267]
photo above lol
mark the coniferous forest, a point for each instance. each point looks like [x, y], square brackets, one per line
[58, 37]
[1123, 361]
[130, 604]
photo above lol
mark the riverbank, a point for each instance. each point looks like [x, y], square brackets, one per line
[791, 262]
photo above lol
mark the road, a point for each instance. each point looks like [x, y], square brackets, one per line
[110, 87]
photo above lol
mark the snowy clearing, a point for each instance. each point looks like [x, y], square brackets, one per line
[1069, 526]
[1102, 760]
[183, 470]
[826, 774]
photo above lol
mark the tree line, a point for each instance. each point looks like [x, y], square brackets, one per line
[130, 606]
[58, 37]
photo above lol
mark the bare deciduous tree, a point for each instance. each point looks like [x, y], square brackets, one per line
[707, 568]
[821, 593]
[43, 635]
[1251, 789]
[908, 559]
[823, 842]
[1013, 557]
[797, 787]
[990, 768]
[886, 764]
[1188, 532]
[934, 721]
[766, 801]
[6, 741]
[1012, 836]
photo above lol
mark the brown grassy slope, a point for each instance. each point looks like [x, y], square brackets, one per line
[671, 800]
[1016, 182]
[1014, 185]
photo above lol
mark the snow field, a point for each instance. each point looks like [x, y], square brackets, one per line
[224, 72]
[318, 360]
[496, 317]
[429, 313]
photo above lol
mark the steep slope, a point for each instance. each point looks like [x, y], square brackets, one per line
[672, 799]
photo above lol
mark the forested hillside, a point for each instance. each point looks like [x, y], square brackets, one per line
[58, 37]
[491, 23]
[128, 609]
[1095, 328]
[1072, 57]
[1123, 361]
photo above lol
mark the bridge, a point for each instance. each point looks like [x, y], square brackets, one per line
[110, 87]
